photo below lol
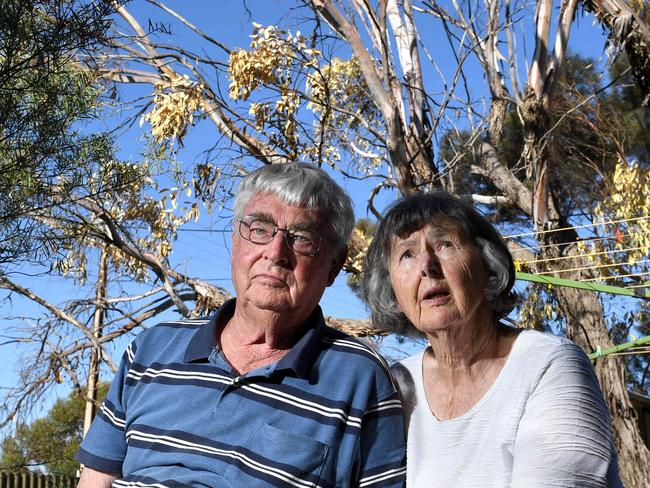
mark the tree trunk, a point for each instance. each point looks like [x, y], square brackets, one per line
[586, 326]
[627, 31]
[95, 353]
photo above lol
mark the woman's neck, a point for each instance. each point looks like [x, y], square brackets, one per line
[464, 346]
[462, 365]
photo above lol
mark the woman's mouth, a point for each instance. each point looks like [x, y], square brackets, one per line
[436, 296]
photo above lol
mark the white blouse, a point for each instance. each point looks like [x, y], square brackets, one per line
[543, 423]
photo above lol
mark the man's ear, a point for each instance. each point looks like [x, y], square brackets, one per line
[337, 263]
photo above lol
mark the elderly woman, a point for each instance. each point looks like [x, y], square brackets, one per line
[487, 405]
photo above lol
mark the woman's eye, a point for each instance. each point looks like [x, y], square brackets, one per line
[446, 249]
[406, 255]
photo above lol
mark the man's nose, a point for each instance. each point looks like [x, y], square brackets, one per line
[278, 249]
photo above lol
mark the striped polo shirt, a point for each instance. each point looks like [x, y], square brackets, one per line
[327, 414]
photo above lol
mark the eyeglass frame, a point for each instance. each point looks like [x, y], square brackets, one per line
[287, 234]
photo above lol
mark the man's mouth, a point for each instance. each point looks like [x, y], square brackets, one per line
[270, 278]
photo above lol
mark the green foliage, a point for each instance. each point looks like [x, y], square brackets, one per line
[588, 126]
[64, 197]
[50, 443]
[364, 230]
[44, 93]
[627, 325]
[626, 99]
[582, 141]
[597, 132]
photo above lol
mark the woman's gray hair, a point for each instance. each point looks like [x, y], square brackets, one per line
[412, 213]
[301, 185]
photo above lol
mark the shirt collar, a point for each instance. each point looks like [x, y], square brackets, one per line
[300, 358]
[205, 338]
[305, 352]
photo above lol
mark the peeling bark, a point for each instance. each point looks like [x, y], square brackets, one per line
[628, 31]
[586, 326]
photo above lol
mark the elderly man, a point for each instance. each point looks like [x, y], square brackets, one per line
[264, 393]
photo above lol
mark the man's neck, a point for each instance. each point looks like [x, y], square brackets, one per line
[252, 340]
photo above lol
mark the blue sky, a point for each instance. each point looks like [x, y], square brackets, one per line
[202, 248]
[199, 252]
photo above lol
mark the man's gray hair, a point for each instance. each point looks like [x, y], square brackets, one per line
[412, 213]
[301, 185]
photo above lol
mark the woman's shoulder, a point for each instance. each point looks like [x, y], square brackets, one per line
[543, 352]
[412, 364]
[544, 343]
[411, 361]
[407, 370]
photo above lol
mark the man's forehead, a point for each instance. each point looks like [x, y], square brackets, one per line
[299, 221]
[268, 207]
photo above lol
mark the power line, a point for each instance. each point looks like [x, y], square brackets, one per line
[591, 267]
[578, 227]
[586, 239]
[641, 285]
[209, 231]
[607, 278]
[562, 258]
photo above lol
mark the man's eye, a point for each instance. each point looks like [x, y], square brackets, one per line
[259, 230]
[301, 238]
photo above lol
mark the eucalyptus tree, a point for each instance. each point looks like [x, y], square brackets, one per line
[65, 200]
[45, 94]
[411, 96]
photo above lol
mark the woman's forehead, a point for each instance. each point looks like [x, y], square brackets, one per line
[438, 227]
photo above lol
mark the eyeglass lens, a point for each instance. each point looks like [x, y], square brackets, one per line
[263, 232]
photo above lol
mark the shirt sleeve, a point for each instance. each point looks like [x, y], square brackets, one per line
[382, 456]
[564, 437]
[104, 447]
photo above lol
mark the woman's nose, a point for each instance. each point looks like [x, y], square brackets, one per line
[429, 264]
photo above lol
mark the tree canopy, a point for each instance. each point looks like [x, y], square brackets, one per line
[49, 444]
[45, 93]
[490, 100]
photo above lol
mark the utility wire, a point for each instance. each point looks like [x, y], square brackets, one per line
[562, 258]
[631, 275]
[586, 239]
[579, 227]
[591, 267]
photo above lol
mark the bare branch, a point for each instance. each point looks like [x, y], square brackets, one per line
[8, 284]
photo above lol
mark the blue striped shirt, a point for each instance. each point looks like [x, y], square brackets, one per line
[327, 414]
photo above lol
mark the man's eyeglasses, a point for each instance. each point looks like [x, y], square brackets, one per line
[259, 231]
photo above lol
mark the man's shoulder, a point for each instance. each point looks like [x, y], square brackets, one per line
[178, 332]
[353, 352]
[346, 342]
[173, 327]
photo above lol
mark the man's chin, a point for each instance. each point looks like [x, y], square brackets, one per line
[271, 305]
